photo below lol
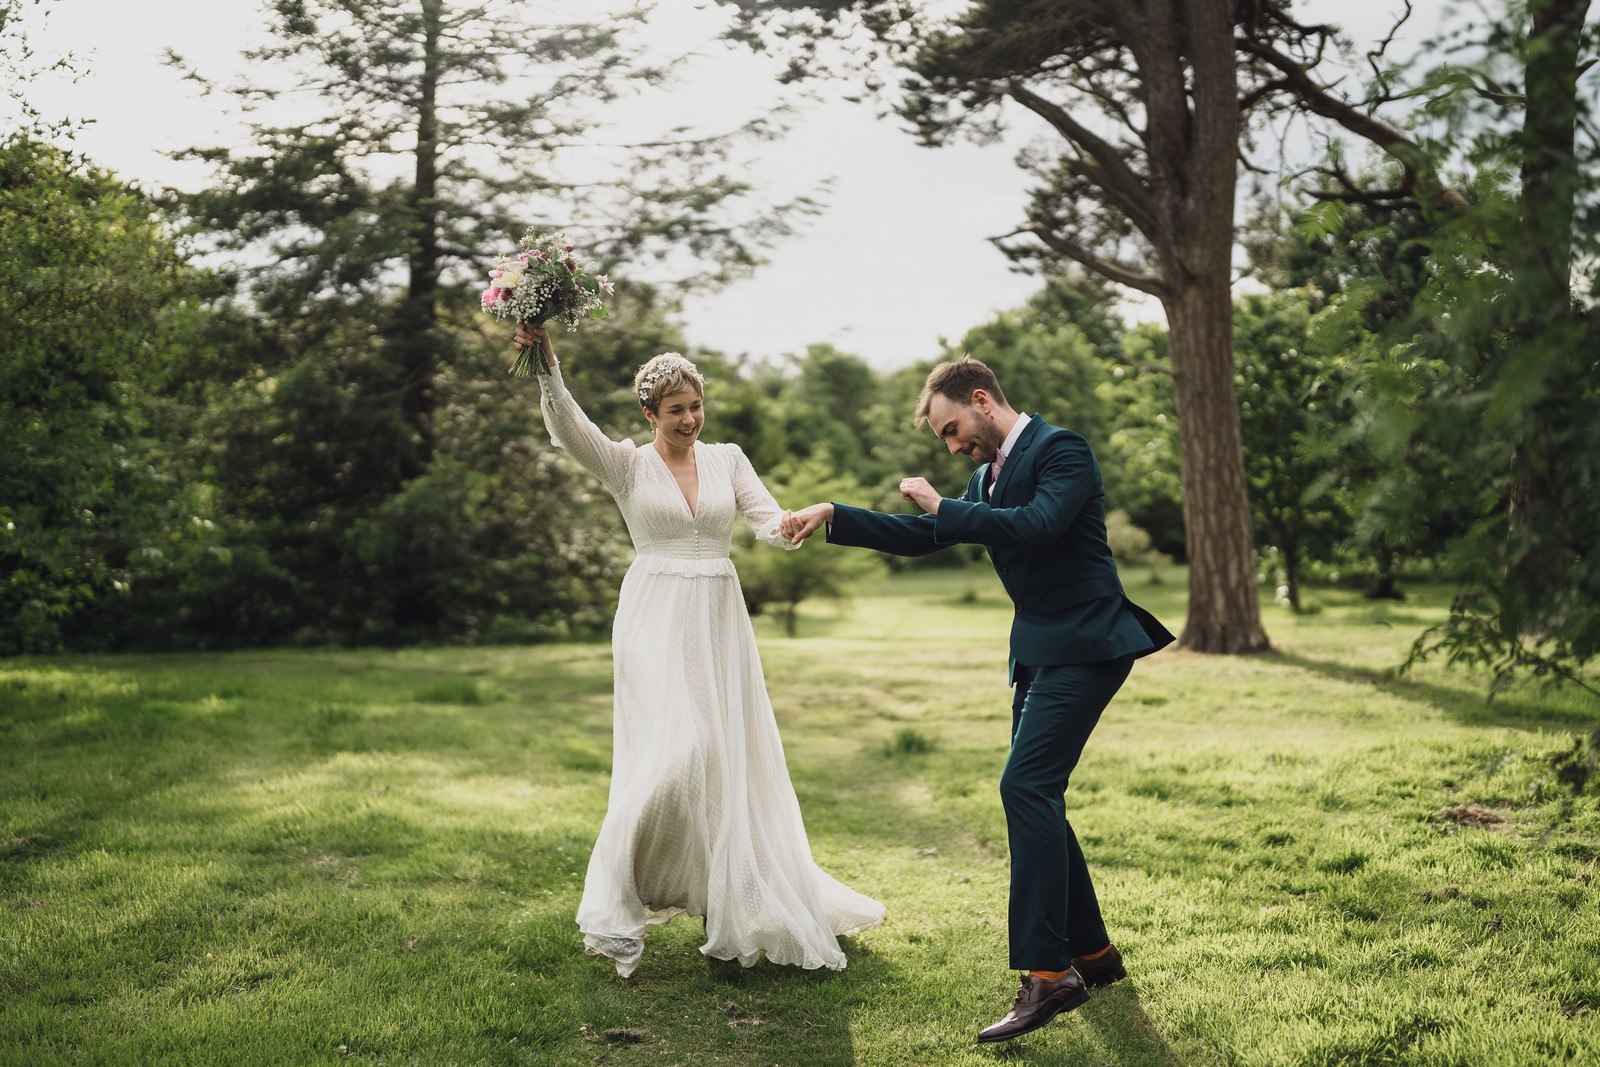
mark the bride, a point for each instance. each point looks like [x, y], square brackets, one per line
[702, 817]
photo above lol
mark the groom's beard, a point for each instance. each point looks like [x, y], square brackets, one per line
[986, 442]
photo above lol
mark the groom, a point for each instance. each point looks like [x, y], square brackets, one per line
[1036, 504]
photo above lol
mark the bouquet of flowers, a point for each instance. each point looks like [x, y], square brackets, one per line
[542, 282]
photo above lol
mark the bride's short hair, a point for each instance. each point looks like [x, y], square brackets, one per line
[664, 375]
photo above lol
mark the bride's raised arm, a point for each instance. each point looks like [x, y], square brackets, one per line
[571, 429]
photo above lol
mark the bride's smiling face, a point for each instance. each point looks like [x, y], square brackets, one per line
[679, 417]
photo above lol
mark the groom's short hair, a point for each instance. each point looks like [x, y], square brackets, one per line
[955, 380]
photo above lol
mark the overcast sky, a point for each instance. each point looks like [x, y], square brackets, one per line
[898, 260]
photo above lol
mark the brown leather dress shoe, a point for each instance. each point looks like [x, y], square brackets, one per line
[1038, 1001]
[1102, 970]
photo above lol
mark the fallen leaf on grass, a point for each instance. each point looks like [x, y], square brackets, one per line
[1449, 892]
[1468, 815]
[623, 1036]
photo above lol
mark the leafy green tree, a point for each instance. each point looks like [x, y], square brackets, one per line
[1140, 463]
[1132, 546]
[1509, 380]
[837, 383]
[444, 129]
[1368, 265]
[1292, 408]
[1152, 105]
[1143, 102]
[1475, 331]
[393, 150]
[92, 306]
[782, 580]
[742, 407]
[825, 406]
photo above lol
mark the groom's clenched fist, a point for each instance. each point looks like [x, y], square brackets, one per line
[925, 495]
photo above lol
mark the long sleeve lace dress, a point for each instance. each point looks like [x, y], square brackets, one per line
[702, 817]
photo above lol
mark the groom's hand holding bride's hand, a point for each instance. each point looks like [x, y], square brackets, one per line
[799, 525]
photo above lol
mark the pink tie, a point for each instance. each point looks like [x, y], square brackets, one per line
[994, 468]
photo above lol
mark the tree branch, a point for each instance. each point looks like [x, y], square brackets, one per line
[1315, 97]
[1139, 364]
[1108, 269]
[1114, 175]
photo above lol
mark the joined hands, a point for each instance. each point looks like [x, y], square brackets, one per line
[799, 525]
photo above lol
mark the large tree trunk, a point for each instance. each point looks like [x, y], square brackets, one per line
[416, 343]
[1224, 608]
[1549, 334]
[1194, 137]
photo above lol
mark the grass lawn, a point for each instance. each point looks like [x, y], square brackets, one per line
[375, 856]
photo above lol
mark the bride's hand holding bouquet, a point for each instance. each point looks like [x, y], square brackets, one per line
[528, 337]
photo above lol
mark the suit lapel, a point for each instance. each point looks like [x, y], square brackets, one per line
[1024, 441]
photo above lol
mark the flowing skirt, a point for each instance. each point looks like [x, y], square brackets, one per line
[702, 816]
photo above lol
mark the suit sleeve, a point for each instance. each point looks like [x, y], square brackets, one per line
[899, 535]
[1065, 482]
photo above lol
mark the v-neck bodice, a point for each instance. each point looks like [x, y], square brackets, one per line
[660, 518]
[693, 506]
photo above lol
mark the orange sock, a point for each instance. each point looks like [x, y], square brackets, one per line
[1096, 955]
[1050, 976]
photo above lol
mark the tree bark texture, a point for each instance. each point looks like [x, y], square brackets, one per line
[417, 343]
[1549, 338]
[1224, 606]
[1187, 53]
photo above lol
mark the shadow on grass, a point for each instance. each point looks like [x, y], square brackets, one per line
[1513, 711]
[1123, 1035]
[1125, 1031]
[680, 1008]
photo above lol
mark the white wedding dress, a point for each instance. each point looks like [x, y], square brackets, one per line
[702, 817]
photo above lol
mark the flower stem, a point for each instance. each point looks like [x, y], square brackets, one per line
[530, 360]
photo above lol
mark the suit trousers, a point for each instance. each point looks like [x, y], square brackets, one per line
[1054, 912]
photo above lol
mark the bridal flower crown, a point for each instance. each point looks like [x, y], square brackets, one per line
[667, 363]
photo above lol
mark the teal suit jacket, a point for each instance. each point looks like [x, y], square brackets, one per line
[1044, 527]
